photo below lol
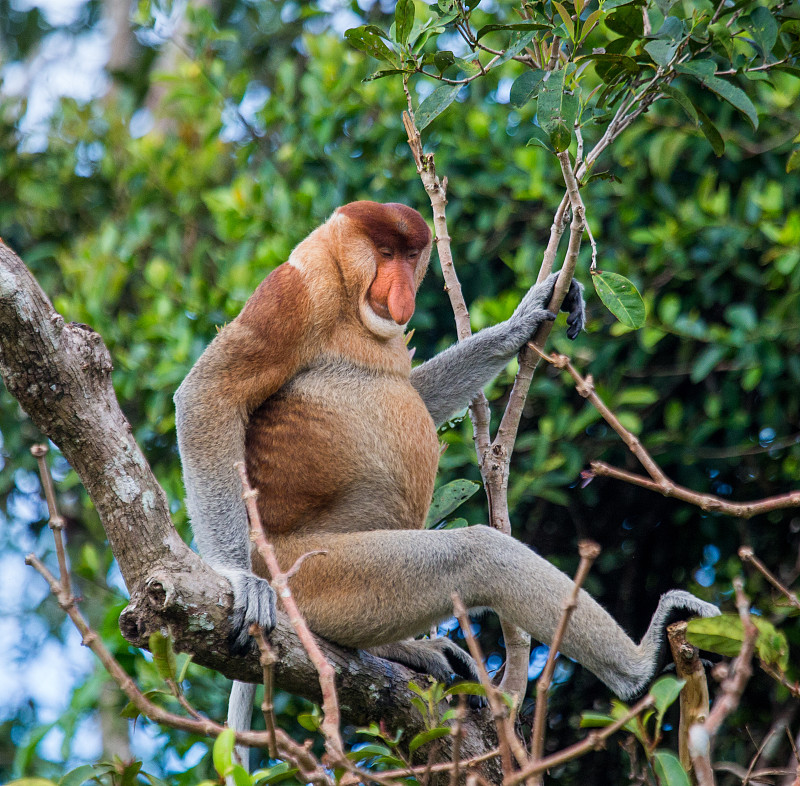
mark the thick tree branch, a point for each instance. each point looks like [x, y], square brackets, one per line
[61, 375]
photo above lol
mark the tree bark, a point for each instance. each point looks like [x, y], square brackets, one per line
[61, 375]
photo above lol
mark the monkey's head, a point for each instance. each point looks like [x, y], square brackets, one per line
[383, 253]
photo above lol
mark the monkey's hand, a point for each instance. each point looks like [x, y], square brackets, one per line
[531, 309]
[253, 601]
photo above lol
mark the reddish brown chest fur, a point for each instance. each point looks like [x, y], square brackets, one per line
[366, 459]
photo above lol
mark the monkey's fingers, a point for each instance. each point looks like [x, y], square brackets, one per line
[576, 309]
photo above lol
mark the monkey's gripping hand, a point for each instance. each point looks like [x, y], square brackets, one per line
[529, 311]
[253, 601]
[448, 382]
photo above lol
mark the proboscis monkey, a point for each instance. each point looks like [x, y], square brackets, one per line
[312, 386]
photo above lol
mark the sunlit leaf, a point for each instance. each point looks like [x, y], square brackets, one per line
[668, 769]
[427, 736]
[163, 655]
[368, 41]
[222, 752]
[525, 87]
[435, 104]
[557, 110]
[620, 297]
[403, 19]
[448, 497]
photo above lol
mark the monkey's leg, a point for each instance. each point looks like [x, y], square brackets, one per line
[381, 586]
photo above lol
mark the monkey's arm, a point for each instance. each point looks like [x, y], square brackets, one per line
[448, 382]
[246, 363]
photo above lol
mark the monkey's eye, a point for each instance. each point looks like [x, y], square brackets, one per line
[387, 253]
[413, 254]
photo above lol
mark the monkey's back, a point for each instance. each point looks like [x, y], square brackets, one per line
[367, 458]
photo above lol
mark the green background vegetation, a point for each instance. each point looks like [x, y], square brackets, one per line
[156, 239]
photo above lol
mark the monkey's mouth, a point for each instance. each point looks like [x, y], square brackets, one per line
[379, 309]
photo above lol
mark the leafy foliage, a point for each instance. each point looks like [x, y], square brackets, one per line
[274, 118]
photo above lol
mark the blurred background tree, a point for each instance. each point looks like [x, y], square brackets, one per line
[155, 165]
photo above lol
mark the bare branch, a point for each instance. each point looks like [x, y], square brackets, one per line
[658, 481]
[589, 551]
[280, 582]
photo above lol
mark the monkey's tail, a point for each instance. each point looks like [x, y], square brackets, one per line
[672, 606]
[240, 715]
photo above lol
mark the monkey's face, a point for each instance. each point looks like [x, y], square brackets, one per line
[383, 252]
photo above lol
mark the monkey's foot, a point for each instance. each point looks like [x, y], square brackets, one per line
[253, 601]
[440, 657]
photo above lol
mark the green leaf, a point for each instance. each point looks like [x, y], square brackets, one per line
[84, 773]
[455, 524]
[367, 751]
[241, 777]
[557, 110]
[310, 721]
[367, 40]
[793, 162]
[595, 720]
[682, 100]
[435, 104]
[448, 497]
[668, 769]
[465, 688]
[403, 19]
[725, 635]
[427, 736]
[566, 18]
[533, 26]
[620, 297]
[222, 753]
[380, 74]
[540, 139]
[764, 28]
[518, 42]
[443, 60]
[525, 87]
[665, 691]
[707, 362]
[31, 782]
[641, 396]
[184, 668]
[279, 772]
[662, 52]
[703, 71]
[163, 655]
[710, 132]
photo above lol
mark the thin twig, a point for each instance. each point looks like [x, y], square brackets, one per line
[56, 522]
[589, 551]
[327, 677]
[509, 743]
[267, 659]
[595, 740]
[457, 733]
[746, 554]
[658, 481]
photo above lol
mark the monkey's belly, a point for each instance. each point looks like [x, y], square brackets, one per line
[342, 454]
